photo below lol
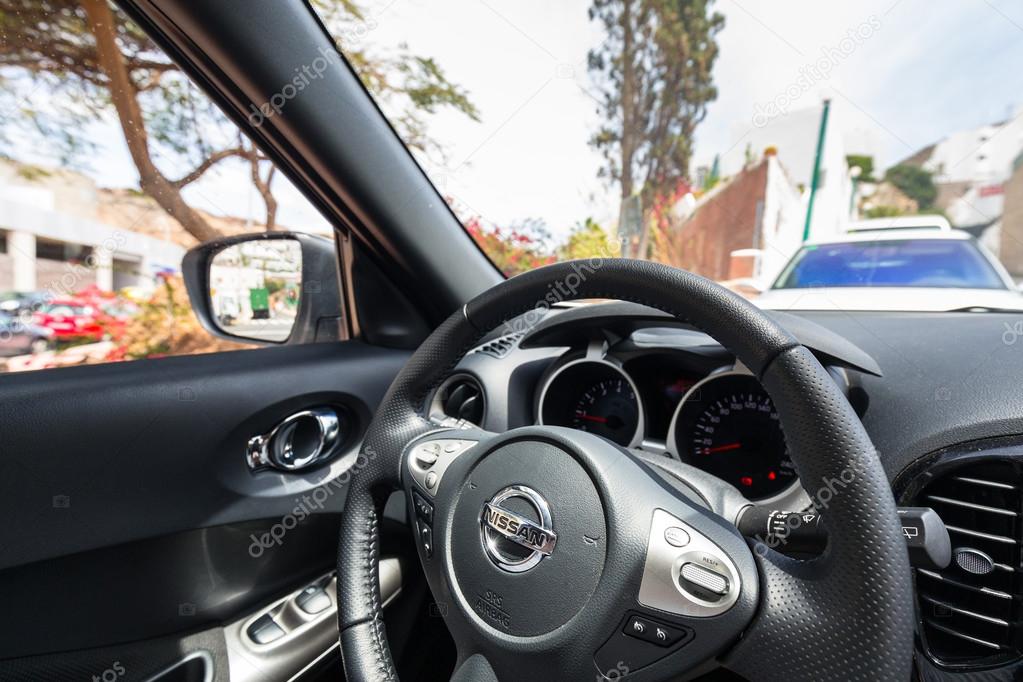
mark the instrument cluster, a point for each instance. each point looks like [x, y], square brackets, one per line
[720, 420]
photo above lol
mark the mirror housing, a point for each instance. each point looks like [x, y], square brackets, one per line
[319, 315]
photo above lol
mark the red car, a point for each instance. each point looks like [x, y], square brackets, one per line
[73, 319]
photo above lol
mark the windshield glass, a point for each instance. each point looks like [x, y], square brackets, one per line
[910, 263]
[711, 136]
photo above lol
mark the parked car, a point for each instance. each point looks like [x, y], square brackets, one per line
[902, 222]
[917, 269]
[21, 338]
[14, 302]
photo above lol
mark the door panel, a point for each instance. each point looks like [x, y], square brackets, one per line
[131, 511]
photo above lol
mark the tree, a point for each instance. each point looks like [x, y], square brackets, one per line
[864, 163]
[654, 75]
[514, 249]
[92, 61]
[588, 240]
[915, 182]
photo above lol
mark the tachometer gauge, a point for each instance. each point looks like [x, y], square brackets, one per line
[594, 396]
[727, 425]
[609, 409]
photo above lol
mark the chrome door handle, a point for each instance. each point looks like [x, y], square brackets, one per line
[302, 440]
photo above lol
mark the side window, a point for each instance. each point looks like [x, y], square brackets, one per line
[112, 165]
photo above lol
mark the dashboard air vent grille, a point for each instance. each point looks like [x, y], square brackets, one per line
[461, 398]
[971, 610]
[501, 346]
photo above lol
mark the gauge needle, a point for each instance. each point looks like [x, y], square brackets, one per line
[723, 448]
[593, 418]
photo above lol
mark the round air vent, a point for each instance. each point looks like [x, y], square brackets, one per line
[460, 398]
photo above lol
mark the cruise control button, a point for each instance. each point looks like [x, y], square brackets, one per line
[703, 578]
[676, 537]
[426, 538]
[431, 480]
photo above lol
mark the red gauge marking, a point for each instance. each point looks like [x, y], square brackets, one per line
[593, 418]
[746, 481]
[723, 448]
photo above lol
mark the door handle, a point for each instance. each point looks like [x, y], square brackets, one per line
[302, 440]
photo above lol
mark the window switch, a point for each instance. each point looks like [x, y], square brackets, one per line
[265, 630]
[313, 599]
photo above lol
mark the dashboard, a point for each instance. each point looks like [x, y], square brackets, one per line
[649, 384]
[721, 421]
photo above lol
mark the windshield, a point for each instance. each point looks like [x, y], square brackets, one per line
[712, 136]
[909, 263]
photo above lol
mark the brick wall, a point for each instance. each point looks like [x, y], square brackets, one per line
[725, 221]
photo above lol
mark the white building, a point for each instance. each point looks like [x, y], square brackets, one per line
[794, 135]
[50, 239]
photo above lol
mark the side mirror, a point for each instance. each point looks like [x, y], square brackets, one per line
[269, 288]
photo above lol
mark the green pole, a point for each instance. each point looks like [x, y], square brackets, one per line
[815, 178]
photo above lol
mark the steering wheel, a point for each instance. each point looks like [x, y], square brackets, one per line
[553, 554]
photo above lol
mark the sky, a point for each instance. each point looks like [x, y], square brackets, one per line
[908, 72]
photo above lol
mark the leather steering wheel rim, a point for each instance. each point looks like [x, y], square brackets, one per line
[846, 615]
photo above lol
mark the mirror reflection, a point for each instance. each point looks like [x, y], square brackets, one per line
[255, 288]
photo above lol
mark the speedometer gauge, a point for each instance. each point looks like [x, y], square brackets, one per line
[727, 426]
[594, 396]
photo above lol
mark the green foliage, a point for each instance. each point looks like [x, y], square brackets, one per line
[53, 86]
[882, 212]
[915, 183]
[864, 163]
[407, 86]
[654, 74]
[588, 240]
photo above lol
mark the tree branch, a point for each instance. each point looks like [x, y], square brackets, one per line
[207, 163]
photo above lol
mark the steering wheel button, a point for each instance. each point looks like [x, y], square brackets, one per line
[426, 458]
[676, 537]
[425, 538]
[452, 446]
[704, 578]
[424, 509]
[651, 631]
[431, 480]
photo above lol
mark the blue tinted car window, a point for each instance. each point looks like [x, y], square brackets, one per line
[938, 263]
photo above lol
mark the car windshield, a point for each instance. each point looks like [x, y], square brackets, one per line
[712, 136]
[892, 263]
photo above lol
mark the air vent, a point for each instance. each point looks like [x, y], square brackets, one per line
[971, 610]
[461, 398]
[501, 346]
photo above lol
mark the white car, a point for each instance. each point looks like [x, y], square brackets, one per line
[894, 268]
